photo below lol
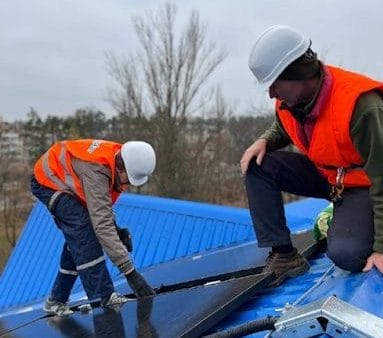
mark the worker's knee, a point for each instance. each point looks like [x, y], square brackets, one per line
[269, 165]
[348, 256]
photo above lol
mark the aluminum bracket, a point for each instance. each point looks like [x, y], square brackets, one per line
[332, 316]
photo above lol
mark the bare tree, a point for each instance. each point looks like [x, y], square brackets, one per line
[15, 198]
[163, 85]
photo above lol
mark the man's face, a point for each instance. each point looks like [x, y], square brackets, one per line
[122, 181]
[290, 92]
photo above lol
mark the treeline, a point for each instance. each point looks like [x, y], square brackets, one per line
[198, 158]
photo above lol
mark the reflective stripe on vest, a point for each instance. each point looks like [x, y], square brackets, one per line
[68, 181]
[50, 174]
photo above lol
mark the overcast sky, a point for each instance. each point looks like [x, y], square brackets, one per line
[52, 52]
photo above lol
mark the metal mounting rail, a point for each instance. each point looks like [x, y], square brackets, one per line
[330, 316]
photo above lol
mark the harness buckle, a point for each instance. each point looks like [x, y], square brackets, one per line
[338, 187]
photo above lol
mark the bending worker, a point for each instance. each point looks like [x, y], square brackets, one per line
[335, 119]
[79, 181]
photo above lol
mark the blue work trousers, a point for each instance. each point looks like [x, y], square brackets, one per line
[351, 234]
[82, 253]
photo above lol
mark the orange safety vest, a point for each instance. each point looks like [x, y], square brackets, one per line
[54, 168]
[331, 146]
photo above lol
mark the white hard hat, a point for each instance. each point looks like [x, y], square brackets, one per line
[275, 49]
[139, 160]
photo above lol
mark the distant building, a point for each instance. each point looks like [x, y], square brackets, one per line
[11, 143]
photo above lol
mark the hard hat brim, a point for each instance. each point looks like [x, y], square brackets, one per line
[137, 181]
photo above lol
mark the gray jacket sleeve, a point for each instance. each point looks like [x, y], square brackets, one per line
[95, 180]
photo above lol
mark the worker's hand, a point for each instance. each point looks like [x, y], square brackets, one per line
[125, 237]
[376, 259]
[258, 150]
[139, 285]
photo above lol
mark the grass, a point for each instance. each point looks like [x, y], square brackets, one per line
[5, 247]
[5, 250]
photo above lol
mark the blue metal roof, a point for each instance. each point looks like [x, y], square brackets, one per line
[163, 229]
[272, 302]
[363, 290]
[167, 229]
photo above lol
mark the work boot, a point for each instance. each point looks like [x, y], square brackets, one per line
[113, 300]
[285, 265]
[54, 307]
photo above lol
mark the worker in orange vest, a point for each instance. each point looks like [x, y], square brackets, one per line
[334, 117]
[79, 181]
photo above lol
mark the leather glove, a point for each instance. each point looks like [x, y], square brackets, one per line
[139, 285]
[125, 237]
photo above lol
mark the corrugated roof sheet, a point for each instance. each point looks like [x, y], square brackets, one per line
[166, 229]
[163, 229]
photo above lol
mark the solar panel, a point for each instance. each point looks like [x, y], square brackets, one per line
[196, 298]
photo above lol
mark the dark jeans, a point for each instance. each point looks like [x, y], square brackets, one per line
[351, 234]
[82, 253]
